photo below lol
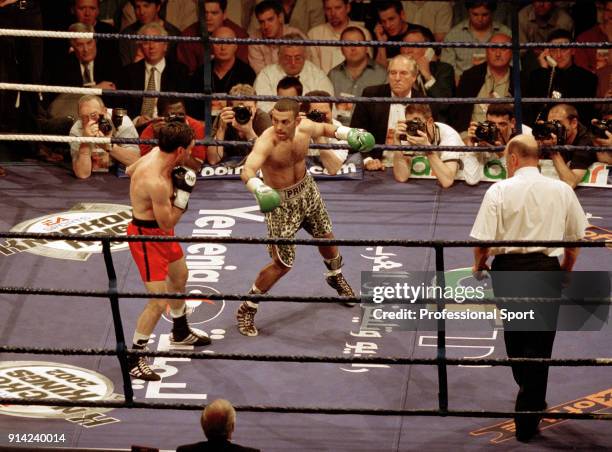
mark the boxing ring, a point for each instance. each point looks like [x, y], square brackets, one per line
[315, 378]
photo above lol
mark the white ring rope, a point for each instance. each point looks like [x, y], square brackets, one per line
[46, 34]
[55, 138]
[50, 89]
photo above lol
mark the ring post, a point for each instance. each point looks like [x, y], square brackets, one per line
[441, 344]
[114, 302]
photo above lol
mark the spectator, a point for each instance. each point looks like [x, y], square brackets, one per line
[571, 167]
[594, 59]
[291, 61]
[331, 159]
[564, 80]
[337, 15]
[489, 79]
[153, 73]
[429, 133]
[355, 73]
[180, 13]
[297, 14]
[479, 27]
[147, 12]
[191, 54]
[174, 110]
[502, 13]
[227, 71]
[536, 22]
[87, 12]
[289, 86]
[436, 16]
[85, 66]
[435, 79]
[227, 127]
[21, 61]
[381, 118]
[87, 157]
[218, 422]
[391, 26]
[269, 14]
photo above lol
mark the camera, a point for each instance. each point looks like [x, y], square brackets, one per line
[413, 126]
[316, 116]
[117, 118]
[175, 117]
[242, 114]
[544, 130]
[487, 131]
[104, 125]
[599, 128]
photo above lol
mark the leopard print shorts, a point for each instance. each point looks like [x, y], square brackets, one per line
[302, 207]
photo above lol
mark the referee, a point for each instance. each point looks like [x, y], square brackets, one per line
[528, 206]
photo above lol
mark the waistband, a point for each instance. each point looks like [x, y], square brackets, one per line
[519, 256]
[151, 224]
[296, 190]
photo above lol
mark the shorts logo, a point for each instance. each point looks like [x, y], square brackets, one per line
[83, 218]
[39, 380]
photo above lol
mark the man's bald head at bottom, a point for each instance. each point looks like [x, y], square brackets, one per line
[521, 151]
[525, 147]
[218, 420]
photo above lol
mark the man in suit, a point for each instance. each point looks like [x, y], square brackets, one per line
[218, 422]
[490, 79]
[435, 79]
[564, 80]
[153, 73]
[87, 12]
[381, 118]
[85, 66]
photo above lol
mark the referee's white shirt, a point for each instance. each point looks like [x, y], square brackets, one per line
[529, 206]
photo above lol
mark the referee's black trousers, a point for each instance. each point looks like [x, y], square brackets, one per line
[532, 379]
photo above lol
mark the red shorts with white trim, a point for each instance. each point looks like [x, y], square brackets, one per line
[152, 258]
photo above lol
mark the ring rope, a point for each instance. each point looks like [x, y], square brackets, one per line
[211, 142]
[282, 41]
[306, 410]
[17, 290]
[392, 360]
[312, 99]
[307, 241]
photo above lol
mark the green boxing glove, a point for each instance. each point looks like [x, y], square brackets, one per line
[358, 139]
[267, 198]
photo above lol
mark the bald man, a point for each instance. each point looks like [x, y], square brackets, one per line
[218, 422]
[528, 206]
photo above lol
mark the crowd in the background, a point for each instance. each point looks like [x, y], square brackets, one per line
[293, 69]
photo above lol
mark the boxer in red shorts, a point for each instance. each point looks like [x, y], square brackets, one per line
[159, 192]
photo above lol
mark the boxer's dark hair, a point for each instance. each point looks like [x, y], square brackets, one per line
[174, 135]
[288, 105]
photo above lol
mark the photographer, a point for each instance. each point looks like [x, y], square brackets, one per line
[240, 121]
[94, 121]
[497, 130]
[331, 159]
[174, 110]
[419, 129]
[570, 166]
[602, 136]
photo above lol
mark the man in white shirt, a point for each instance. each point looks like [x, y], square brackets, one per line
[419, 129]
[95, 121]
[337, 15]
[291, 61]
[528, 206]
